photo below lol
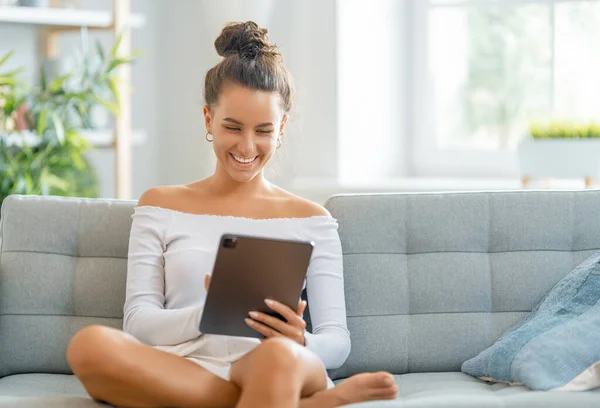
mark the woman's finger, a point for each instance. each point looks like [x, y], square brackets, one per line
[301, 308]
[287, 313]
[206, 281]
[261, 328]
[275, 323]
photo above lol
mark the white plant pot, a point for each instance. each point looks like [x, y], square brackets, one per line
[559, 158]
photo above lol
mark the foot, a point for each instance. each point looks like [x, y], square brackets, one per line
[358, 388]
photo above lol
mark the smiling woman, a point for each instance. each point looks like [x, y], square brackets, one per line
[248, 98]
[161, 358]
[243, 134]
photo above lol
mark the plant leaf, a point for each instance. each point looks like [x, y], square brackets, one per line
[113, 84]
[29, 182]
[75, 95]
[42, 122]
[6, 56]
[115, 48]
[21, 187]
[78, 140]
[43, 79]
[59, 128]
[54, 181]
[4, 80]
[77, 160]
[100, 50]
[119, 61]
[58, 82]
[14, 72]
[111, 106]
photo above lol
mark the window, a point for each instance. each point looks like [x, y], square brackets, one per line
[485, 69]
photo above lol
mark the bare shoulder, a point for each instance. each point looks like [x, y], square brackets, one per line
[161, 196]
[303, 208]
[307, 208]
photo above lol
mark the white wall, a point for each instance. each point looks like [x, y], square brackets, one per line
[372, 89]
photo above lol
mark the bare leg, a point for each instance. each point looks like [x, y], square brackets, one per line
[280, 372]
[116, 368]
[358, 388]
[277, 374]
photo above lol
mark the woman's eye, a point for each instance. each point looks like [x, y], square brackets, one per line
[265, 132]
[232, 128]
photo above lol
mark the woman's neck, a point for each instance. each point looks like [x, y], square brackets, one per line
[222, 184]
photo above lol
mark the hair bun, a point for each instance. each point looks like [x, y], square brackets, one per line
[244, 38]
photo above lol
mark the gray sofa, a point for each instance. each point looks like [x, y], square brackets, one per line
[431, 280]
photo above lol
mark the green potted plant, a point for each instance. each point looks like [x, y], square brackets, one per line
[561, 149]
[42, 149]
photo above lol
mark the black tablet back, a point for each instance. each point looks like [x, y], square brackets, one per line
[247, 271]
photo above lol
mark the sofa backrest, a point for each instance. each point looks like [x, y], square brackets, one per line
[63, 265]
[433, 279]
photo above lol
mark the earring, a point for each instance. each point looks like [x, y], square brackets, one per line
[278, 142]
[211, 137]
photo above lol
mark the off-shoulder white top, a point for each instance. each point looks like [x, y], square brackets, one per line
[170, 252]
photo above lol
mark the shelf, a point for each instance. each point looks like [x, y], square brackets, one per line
[98, 138]
[62, 17]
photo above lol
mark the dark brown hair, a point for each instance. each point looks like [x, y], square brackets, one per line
[250, 60]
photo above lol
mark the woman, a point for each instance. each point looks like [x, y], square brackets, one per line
[161, 358]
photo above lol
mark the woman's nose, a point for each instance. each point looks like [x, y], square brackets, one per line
[246, 144]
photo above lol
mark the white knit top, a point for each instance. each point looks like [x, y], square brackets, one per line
[170, 252]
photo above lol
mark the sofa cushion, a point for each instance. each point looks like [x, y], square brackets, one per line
[44, 390]
[421, 390]
[36, 385]
[458, 390]
[49, 402]
[556, 342]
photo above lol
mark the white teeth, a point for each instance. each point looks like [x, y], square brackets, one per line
[242, 160]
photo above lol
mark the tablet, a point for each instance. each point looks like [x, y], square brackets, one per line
[247, 271]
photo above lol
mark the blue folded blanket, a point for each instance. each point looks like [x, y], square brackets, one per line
[557, 343]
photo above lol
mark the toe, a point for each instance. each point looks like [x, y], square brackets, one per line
[391, 392]
[385, 393]
[385, 379]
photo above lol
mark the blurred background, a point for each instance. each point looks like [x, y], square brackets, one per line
[392, 95]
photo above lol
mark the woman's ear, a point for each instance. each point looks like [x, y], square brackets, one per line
[207, 118]
[283, 122]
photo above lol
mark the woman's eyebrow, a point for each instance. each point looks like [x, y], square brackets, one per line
[237, 122]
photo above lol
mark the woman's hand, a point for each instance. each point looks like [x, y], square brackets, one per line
[206, 281]
[293, 328]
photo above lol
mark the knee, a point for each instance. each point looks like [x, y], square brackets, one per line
[87, 349]
[280, 354]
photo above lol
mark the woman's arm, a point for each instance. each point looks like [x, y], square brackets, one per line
[330, 339]
[145, 316]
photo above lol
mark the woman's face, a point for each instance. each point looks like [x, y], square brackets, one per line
[245, 125]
